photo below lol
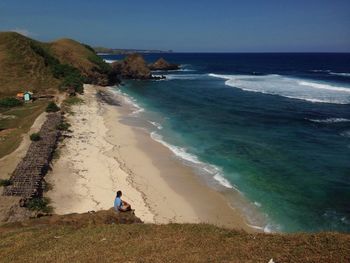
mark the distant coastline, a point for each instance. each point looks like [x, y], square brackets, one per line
[122, 51]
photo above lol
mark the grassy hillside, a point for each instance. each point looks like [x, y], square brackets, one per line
[165, 243]
[27, 64]
[82, 57]
[21, 68]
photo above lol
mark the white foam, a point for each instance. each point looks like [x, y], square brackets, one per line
[321, 70]
[324, 86]
[110, 61]
[131, 101]
[330, 120]
[342, 74]
[289, 87]
[257, 204]
[156, 124]
[181, 152]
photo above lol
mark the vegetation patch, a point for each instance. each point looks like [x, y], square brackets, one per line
[39, 204]
[52, 107]
[102, 66]
[10, 102]
[5, 182]
[63, 126]
[73, 101]
[70, 76]
[17, 121]
[35, 137]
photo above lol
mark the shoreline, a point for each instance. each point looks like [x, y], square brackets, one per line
[159, 187]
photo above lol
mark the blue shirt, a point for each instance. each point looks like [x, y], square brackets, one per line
[118, 203]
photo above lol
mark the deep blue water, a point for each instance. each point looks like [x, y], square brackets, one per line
[275, 126]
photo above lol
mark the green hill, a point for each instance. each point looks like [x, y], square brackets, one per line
[27, 64]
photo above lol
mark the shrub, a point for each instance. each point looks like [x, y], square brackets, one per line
[35, 137]
[5, 182]
[64, 126]
[52, 107]
[102, 66]
[10, 102]
[39, 204]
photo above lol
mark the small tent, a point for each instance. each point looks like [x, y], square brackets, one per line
[27, 96]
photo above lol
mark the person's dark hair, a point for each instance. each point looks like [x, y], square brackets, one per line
[119, 193]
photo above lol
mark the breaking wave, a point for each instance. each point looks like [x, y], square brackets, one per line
[342, 74]
[193, 160]
[289, 87]
[330, 120]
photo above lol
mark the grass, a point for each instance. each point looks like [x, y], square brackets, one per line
[44, 68]
[166, 243]
[73, 101]
[69, 102]
[15, 122]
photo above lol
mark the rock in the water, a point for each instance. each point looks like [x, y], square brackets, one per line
[132, 67]
[162, 64]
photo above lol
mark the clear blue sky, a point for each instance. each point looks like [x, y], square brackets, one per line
[185, 25]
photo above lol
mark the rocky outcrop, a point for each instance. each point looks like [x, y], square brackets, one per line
[132, 67]
[162, 64]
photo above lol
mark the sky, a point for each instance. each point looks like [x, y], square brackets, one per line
[185, 25]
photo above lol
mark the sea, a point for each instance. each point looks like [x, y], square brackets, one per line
[273, 127]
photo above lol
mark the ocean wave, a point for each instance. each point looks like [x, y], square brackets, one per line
[181, 152]
[324, 86]
[156, 124]
[131, 101]
[288, 87]
[342, 74]
[320, 70]
[175, 70]
[110, 60]
[330, 120]
[184, 76]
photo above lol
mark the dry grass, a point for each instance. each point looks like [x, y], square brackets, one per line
[73, 53]
[21, 68]
[17, 121]
[167, 243]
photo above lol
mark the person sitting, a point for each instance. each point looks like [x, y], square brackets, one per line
[119, 204]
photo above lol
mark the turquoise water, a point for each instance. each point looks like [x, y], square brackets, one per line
[274, 126]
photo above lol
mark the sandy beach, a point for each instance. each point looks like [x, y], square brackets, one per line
[105, 155]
